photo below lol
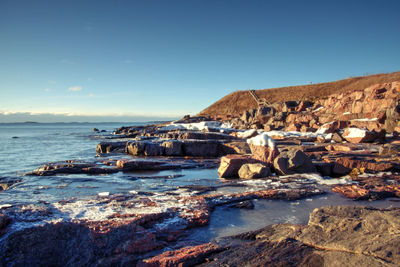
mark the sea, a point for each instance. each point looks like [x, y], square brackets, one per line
[27, 146]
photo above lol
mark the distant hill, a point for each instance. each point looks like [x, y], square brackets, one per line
[237, 102]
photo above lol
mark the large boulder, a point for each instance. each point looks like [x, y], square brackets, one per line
[357, 135]
[293, 161]
[230, 165]
[263, 148]
[255, 170]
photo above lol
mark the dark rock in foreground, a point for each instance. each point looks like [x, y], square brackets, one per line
[334, 236]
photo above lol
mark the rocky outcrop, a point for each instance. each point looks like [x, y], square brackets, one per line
[293, 161]
[72, 167]
[374, 108]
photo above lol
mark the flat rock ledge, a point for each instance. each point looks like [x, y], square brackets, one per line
[334, 236]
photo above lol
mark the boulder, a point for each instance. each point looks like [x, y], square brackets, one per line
[293, 161]
[255, 170]
[263, 148]
[230, 165]
[356, 135]
[108, 147]
[172, 148]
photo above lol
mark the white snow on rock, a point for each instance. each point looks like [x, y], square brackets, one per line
[198, 126]
[262, 140]
[323, 128]
[355, 132]
[104, 194]
[296, 134]
[247, 133]
[366, 119]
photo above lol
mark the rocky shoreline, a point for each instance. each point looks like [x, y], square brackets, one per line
[278, 152]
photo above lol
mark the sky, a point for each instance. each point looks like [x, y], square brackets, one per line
[142, 60]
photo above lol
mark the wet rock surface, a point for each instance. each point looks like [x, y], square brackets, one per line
[334, 236]
[122, 228]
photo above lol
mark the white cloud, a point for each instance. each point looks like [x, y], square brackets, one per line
[51, 81]
[75, 88]
[47, 89]
[89, 79]
[127, 61]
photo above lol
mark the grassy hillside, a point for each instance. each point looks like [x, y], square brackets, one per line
[237, 102]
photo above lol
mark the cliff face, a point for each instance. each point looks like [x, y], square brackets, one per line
[236, 103]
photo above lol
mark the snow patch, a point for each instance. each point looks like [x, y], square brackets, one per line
[366, 119]
[355, 132]
[262, 140]
[198, 126]
[247, 133]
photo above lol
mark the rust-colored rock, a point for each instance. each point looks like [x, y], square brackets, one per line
[344, 165]
[363, 192]
[186, 256]
[264, 153]
[230, 165]
[356, 135]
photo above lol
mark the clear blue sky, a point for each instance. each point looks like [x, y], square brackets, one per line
[171, 58]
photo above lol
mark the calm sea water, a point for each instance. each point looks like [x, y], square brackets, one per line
[25, 147]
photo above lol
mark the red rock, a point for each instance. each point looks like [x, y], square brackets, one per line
[186, 256]
[344, 165]
[264, 153]
[351, 191]
[230, 165]
[293, 127]
[341, 147]
[360, 192]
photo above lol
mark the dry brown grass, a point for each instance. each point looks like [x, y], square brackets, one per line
[237, 102]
